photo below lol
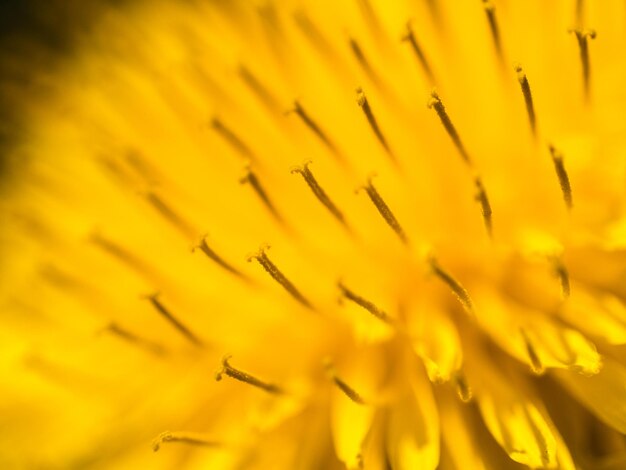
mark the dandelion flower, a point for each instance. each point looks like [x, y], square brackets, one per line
[311, 234]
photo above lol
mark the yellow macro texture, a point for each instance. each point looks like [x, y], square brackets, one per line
[393, 231]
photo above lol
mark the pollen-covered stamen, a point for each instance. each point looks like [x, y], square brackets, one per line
[384, 211]
[583, 36]
[132, 338]
[561, 173]
[364, 303]
[410, 37]
[535, 363]
[279, 277]
[528, 98]
[455, 286]
[165, 313]
[313, 126]
[490, 11]
[207, 250]
[232, 139]
[183, 437]
[436, 103]
[319, 192]
[561, 272]
[169, 214]
[485, 206]
[363, 62]
[371, 119]
[242, 376]
[253, 180]
[463, 389]
[343, 386]
[260, 90]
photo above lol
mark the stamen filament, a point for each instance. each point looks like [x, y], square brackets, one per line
[142, 167]
[410, 37]
[372, 20]
[169, 214]
[120, 253]
[528, 98]
[251, 178]
[319, 192]
[314, 127]
[580, 13]
[279, 277]
[364, 303]
[561, 173]
[561, 272]
[490, 11]
[184, 437]
[455, 286]
[481, 197]
[583, 36]
[242, 376]
[259, 89]
[211, 254]
[315, 36]
[134, 339]
[535, 363]
[384, 211]
[182, 329]
[436, 103]
[371, 119]
[343, 386]
[232, 139]
[363, 62]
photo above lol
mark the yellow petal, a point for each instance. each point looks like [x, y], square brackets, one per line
[535, 339]
[374, 452]
[350, 423]
[604, 394]
[521, 431]
[608, 312]
[439, 347]
[413, 429]
[458, 435]
[513, 418]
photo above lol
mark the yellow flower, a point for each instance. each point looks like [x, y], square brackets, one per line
[442, 187]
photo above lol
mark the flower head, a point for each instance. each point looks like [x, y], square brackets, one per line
[434, 286]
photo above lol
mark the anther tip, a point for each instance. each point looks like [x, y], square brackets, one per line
[163, 437]
[152, 296]
[224, 366]
[433, 99]
[406, 36]
[295, 108]
[260, 252]
[300, 168]
[360, 96]
[199, 243]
